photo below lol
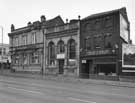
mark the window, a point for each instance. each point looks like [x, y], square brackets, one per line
[107, 40]
[0, 51]
[87, 43]
[16, 59]
[33, 38]
[61, 47]
[4, 51]
[71, 49]
[25, 59]
[51, 52]
[108, 22]
[97, 41]
[35, 58]
[97, 23]
[16, 41]
[24, 40]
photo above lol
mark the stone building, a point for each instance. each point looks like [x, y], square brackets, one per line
[101, 39]
[62, 49]
[26, 44]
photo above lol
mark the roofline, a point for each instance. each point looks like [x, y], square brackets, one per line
[102, 14]
[27, 27]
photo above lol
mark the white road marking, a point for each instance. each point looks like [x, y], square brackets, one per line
[81, 100]
[36, 92]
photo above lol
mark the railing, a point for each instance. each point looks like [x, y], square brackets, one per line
[62, 27]
[99, 77]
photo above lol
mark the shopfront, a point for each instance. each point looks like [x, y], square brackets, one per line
[99, 63]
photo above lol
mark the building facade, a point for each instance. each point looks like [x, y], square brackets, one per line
[62, 49]
[27, 45]
[5, 59]
[102, 36]
[88, 47]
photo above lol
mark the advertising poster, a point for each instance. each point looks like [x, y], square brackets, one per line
[128, 56]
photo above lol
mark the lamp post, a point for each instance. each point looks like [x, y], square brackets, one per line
[1, 48]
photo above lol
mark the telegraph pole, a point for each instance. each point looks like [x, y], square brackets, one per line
[1, 48]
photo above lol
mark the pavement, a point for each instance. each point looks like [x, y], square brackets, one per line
[68, 79]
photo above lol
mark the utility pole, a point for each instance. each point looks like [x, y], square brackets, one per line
[1, 48]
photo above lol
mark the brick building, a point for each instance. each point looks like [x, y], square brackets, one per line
[102, 36]
[27, 44]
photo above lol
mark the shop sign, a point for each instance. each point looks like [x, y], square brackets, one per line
[129, 71]
[100, 52]
[60, 56]
[83, 61]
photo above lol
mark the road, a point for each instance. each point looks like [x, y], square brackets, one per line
[24, 90]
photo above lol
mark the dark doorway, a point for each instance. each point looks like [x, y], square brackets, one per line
[61, 66]
[85, 69]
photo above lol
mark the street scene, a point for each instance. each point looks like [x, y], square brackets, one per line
[24, 90]
[67, 51]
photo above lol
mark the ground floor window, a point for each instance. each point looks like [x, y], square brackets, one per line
[25, 59]
[35, 58]
[105, 69]
[16, 59]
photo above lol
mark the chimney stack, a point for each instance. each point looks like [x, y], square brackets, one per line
[43, 18]
[12, 27]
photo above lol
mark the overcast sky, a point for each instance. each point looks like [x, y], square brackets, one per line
[20, 12]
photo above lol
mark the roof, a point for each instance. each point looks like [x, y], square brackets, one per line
[48, 23]
[54, 22]
[103, 13]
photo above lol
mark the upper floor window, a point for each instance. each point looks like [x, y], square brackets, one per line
[108, 22]
[87, 43]
[97, 24]
[33, 38]
[16, 41]
[24, 39]
[107, 40]
[61, 47]
[98, 42]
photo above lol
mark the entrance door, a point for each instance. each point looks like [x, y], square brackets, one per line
[86, 67]
[61, 65]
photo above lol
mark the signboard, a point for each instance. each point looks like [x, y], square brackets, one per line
[83, 61]
[128, 55]
[100, 52]
[124, 29]
[60, 56]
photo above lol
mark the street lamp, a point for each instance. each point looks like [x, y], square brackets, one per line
[2, 47]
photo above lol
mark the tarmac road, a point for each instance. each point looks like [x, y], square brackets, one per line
[26, 90]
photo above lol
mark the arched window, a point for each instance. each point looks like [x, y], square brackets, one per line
[51, 53]
[61, 47]
[71, 49]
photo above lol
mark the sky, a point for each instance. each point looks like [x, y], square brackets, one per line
[20, 12]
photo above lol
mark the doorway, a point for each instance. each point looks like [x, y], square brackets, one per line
[85, 70]
[61, 66]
